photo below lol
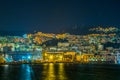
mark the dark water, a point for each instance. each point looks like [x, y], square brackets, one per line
[60, 71]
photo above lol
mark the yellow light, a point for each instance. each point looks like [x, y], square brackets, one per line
[45, 54]
[60, 57]
[51, 57]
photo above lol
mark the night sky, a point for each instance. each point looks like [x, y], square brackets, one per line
[55, 16]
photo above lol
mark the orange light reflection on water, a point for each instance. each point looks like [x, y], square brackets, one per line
[50, 73]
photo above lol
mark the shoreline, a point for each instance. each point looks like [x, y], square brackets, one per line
[56, 63]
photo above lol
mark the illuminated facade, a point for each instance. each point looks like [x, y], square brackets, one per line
[22, 56]
[53, 56]
[59, 56]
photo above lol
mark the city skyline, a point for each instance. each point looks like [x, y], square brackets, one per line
[59, 39]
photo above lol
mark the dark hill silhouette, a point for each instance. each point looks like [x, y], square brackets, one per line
[54, 42]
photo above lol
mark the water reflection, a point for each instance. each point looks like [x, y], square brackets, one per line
[5, 71]
[53, 71]
[27, 70]
[61, 72]
[48, 71]
[6, 67]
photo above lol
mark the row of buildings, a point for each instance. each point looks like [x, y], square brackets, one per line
[58, 56]
[97, 47]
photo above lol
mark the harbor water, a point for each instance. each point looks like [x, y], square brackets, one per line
[60, 71]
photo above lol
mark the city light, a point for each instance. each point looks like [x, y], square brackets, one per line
[51, 57]
[29, 57]
[68, 48]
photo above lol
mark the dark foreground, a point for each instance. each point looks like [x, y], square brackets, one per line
[60, 71]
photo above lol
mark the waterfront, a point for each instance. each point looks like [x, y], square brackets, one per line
[60, 71]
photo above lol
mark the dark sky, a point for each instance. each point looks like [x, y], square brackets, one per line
[26, 16]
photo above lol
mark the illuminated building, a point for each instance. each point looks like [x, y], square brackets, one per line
[53, 56]
[61, 44]
[2, 59]
[59, 56]
[30, 44]
[69, 56]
